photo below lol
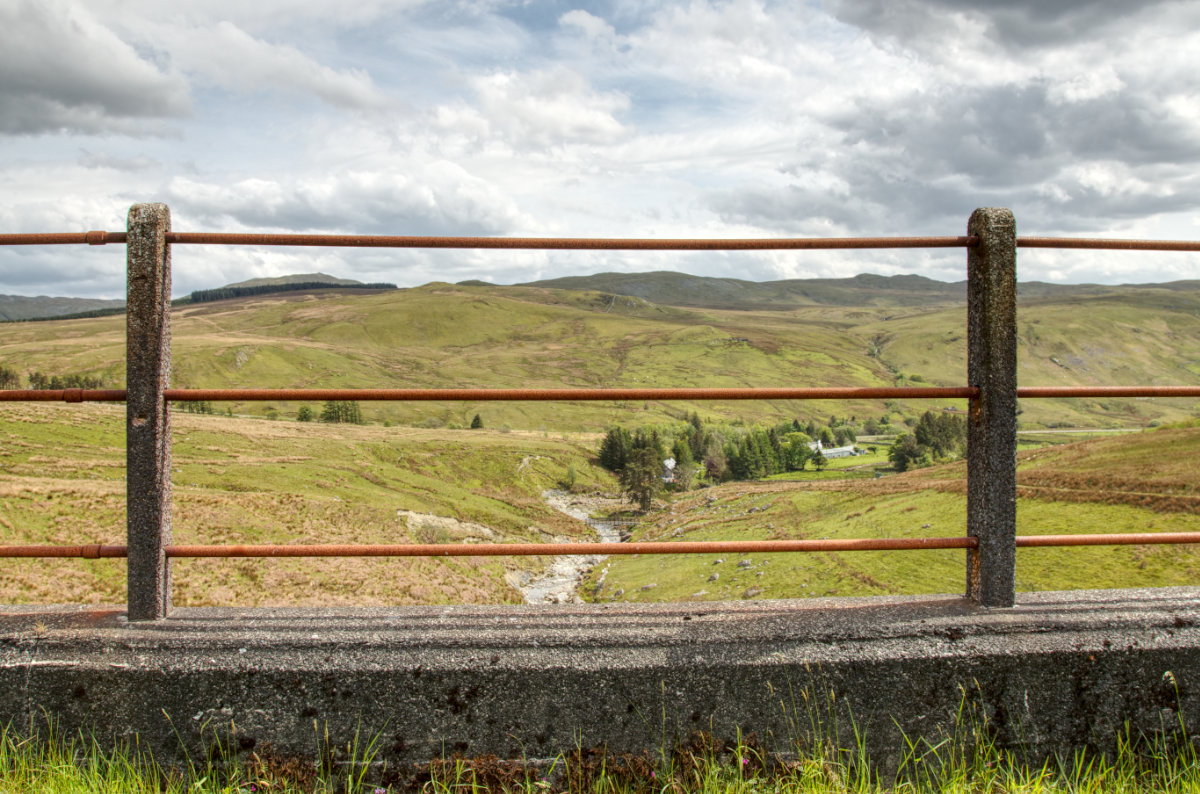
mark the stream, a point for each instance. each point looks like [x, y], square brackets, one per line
[559, 583]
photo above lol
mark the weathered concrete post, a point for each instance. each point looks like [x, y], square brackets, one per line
[992, 424]
[148, 422]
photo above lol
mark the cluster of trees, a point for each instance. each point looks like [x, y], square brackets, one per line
[11, 379]
[714, 453]
[637, 460]
[344, 411]
[197, 407]
[224, 293]
[935, 437]
[38, 380]
[766, 451]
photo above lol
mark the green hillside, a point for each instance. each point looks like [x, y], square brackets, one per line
[443, 335]
[866, 289]
[1144, 482]
[680, 289]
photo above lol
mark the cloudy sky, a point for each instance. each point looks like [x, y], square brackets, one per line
[706, 118]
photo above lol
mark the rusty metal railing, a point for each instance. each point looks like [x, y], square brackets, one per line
[273, 550]
[991, 538]
[594, 243]
[592, 395]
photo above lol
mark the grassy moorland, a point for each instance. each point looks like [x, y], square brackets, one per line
[241, 478]
[1141, 482]
[443, 335]
[257, 481]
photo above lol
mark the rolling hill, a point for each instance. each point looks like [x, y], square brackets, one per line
[443, 335]
[20, 307]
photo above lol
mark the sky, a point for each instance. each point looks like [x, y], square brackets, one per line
[626, 118]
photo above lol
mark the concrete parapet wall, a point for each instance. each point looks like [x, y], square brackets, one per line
[1060, 670]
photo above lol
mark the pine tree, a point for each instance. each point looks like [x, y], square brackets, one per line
[614, 449]
[477, 422]
[641, 479]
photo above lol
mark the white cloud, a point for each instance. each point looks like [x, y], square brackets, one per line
[548, 108]
[591, 26]
[435, 198]
[233, 59]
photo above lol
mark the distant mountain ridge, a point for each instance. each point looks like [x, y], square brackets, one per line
[295, 278]
[293, 283]
[669, 288]
[664, 288]
[20, 307]
[42, 307]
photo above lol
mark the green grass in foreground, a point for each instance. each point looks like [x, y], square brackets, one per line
[967, 761]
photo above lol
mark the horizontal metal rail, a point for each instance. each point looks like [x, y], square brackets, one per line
[67, 238]
[63, 395]
[559, 549]
[525, 243]
[570, 243]
[1115, 539]
[1108, 245]
[593, 243]
[579, 395]
[1030, 392]
[97, 551]
[520, 395]
[89, 551]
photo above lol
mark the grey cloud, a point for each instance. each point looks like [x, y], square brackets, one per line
[64, 71]
[1015, 25]
[937, 155]
[46, 271]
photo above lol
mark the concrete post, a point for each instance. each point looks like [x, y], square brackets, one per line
[148, 422]
[992, 424]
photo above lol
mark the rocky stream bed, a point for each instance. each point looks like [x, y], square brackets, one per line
[559, 584]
